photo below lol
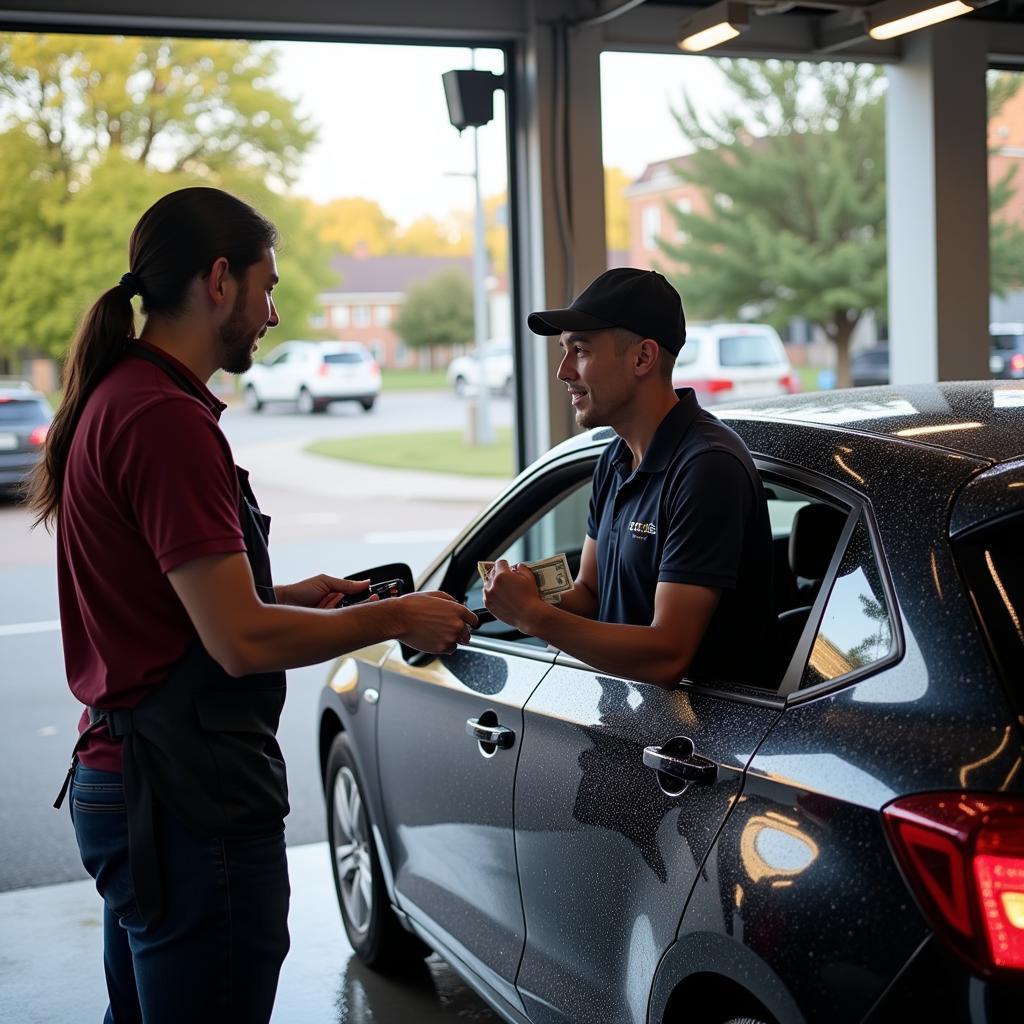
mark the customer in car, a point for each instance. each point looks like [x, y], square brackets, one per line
[676, 571]
[175, 637]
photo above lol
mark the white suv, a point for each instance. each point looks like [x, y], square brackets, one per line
[726, 361]
[313, 374]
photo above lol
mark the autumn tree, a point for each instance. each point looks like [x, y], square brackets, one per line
[93, 129]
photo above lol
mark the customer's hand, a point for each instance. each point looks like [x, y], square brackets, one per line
[510, 593]
[433, 622]
[321, 591]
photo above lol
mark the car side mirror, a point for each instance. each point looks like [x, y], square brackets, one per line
[395, 571]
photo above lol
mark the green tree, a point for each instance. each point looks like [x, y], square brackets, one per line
[438, 312]
[795, 175]
[93, 129]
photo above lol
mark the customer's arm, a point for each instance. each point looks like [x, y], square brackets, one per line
[246, 636]
[659, 653]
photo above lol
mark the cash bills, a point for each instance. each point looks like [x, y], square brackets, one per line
[551, 575]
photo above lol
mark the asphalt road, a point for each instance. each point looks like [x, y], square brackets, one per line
[311, 535]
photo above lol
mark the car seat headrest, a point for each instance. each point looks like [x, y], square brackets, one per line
[813, 540]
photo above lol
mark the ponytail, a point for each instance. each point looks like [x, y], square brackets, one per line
[97, 346]
[176, 239]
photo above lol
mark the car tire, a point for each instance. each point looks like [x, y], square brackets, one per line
[461, 386]
[304, 402]
[251, 399]
[373, 930]
[367, 404]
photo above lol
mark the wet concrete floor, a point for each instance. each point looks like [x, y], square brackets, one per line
[51, 969]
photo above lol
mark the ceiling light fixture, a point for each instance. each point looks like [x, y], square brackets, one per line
[897, 17]
[713, 26]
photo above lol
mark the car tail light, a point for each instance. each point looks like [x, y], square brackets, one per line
[38, 435]
[1017, 361]
[790, 383]
[713, 387]
[374, 368]
[323, 370]
[963, 857]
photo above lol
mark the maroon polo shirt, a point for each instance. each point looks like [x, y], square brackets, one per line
[149, 485]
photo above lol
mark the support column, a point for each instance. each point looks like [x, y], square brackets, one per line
[937, 200]
[560, 211]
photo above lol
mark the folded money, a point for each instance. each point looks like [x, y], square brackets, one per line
[551, 575]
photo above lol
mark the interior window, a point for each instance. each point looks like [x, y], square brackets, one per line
[856, 629]
[561, 530]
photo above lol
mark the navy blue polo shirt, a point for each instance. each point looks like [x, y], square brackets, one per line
[694, 511]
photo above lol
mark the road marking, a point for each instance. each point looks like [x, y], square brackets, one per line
[411, 536]
[47, 730]
[18, 628]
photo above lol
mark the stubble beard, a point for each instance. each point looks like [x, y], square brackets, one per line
[235, 339]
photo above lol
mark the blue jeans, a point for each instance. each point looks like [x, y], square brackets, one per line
[216, 953]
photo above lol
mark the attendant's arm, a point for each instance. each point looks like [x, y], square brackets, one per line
[582, 599]
[246, 636]
[659, 653]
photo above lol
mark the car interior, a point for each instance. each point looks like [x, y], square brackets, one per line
[806, 531]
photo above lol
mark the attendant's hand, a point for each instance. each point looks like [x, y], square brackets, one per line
[511, 595]
[321, 591]
[433, 622]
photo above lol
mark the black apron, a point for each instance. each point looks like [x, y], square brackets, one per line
[203, 743]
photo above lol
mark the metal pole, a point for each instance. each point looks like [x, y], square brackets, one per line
[485, 433]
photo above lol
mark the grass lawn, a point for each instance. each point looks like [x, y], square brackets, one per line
[808, 378]
[413, 380]
[444, 451]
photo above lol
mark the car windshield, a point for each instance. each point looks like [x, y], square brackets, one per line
[351, 358]
[22, 410]
[748, 350]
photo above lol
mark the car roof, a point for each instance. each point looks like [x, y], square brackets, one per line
[978, 418]
[983, 419]
[11, 392]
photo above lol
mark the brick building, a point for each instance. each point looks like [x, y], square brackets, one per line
[368, 292]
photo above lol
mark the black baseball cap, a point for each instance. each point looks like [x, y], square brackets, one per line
[642, 301]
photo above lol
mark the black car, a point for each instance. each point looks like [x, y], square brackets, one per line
[870, 366]
[846, 844]
[24, 418]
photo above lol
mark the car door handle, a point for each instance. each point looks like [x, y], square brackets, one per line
[496, 734]
[688, 767]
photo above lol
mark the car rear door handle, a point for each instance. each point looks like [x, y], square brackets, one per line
[681, 763]
[495, 734]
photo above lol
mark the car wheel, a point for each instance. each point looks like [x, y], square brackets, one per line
[461, 386]
[367, 404]
[376, 935]
[251, 399]
[744, 1020]
[305, 402]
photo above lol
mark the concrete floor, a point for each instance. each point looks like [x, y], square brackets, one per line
[51, 969]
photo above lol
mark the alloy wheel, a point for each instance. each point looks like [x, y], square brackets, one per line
[352, 852]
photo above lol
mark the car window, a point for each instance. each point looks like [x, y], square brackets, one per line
[561, 530]
[993, 562]
[277, 358]
[23, 410]
[344, 358]
[1007, 342]
[689, 352]
[748, 350]
[856, 628]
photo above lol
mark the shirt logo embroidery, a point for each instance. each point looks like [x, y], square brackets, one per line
[643, 530]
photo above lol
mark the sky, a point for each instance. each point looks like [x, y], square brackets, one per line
[384, 130]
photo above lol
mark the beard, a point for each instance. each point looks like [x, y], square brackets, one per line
[235, 339]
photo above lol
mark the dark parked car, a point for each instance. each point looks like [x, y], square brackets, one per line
[1006, 361]
[846, 844]
[24, 418]
[870, 366]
